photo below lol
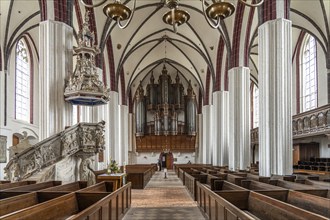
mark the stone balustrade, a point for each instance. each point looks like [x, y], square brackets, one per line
[311, 123]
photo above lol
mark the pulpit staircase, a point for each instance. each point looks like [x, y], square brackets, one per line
[67, 156]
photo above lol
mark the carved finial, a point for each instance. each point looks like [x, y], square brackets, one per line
[140, 90]
[152, 78]
[190, 90]
[164, 71]
[177, 78]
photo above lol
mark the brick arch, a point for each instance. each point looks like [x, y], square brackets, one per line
[63, 11]
[207, 88]
[200, 101]
[234, 61]
[111, 61]
[221, 48]
[78, 14]
[43, 9]
[130, 102]
[122, 89]
[247, 37]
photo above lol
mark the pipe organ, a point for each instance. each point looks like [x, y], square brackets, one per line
[165, 109]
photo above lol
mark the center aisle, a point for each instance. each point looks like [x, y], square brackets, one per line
[165, 199]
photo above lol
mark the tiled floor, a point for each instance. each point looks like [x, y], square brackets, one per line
[163, 199]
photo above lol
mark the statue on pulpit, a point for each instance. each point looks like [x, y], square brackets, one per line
[21, 146]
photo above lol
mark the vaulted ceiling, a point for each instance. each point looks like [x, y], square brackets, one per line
[197, 52]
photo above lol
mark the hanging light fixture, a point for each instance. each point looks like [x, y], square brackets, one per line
[116, 11]
[220, 10]
[175, 16]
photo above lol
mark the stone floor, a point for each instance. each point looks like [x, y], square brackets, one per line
[163, 199]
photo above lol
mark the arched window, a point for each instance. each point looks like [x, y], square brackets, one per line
[255, 106]
[308, 77]
[23, 82]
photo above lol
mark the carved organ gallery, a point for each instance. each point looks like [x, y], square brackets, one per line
[165, 115]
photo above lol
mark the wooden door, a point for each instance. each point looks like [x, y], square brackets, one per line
[296, 156]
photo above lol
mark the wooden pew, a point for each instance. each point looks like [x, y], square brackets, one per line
[306, 201]
[139, 175]
[15, 184]
[104, 186]
[248, 205]
[317, 184]
[258, 178]
[26, 200]
[69, 187]
[233, 178]
[16, 203]
[27, 188]
[112, 207]
[222, 185]
[310, 189]
[191, 181]
[4, 181]
[58, 208]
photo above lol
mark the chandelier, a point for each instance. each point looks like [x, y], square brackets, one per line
[175, 16]
[220, 10]
[214, 13]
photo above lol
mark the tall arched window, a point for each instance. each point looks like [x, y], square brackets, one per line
[309, 79]
[23, 82]
[255, 106]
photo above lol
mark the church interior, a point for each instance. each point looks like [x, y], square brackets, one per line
[211, 109]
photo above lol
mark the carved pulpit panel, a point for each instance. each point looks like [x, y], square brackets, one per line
[3, 149]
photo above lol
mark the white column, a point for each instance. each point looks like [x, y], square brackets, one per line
[123, 134]
[220, 127]
[239, 116]
[199, 158]
[207, 141]
[223, 134]
[215, 129]
[114, 126]
[2, 98]
[55, 66]
[275, 127]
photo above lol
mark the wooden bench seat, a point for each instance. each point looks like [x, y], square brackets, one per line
[222, 185]
[59, 208]
[111, 207]
[258, 178]
[4, 181]
[191, 180]
[29, 199]
[317, 184]
[27, 188]
[26, 200]
[247, 205]
[15, 184]
[306, 201]
[233, 178]
[139, 176]
[104, 186]
[69, 187]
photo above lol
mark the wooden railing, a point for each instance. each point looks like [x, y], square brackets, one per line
[307, 124]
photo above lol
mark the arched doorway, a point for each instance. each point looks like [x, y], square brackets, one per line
[166, 159]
